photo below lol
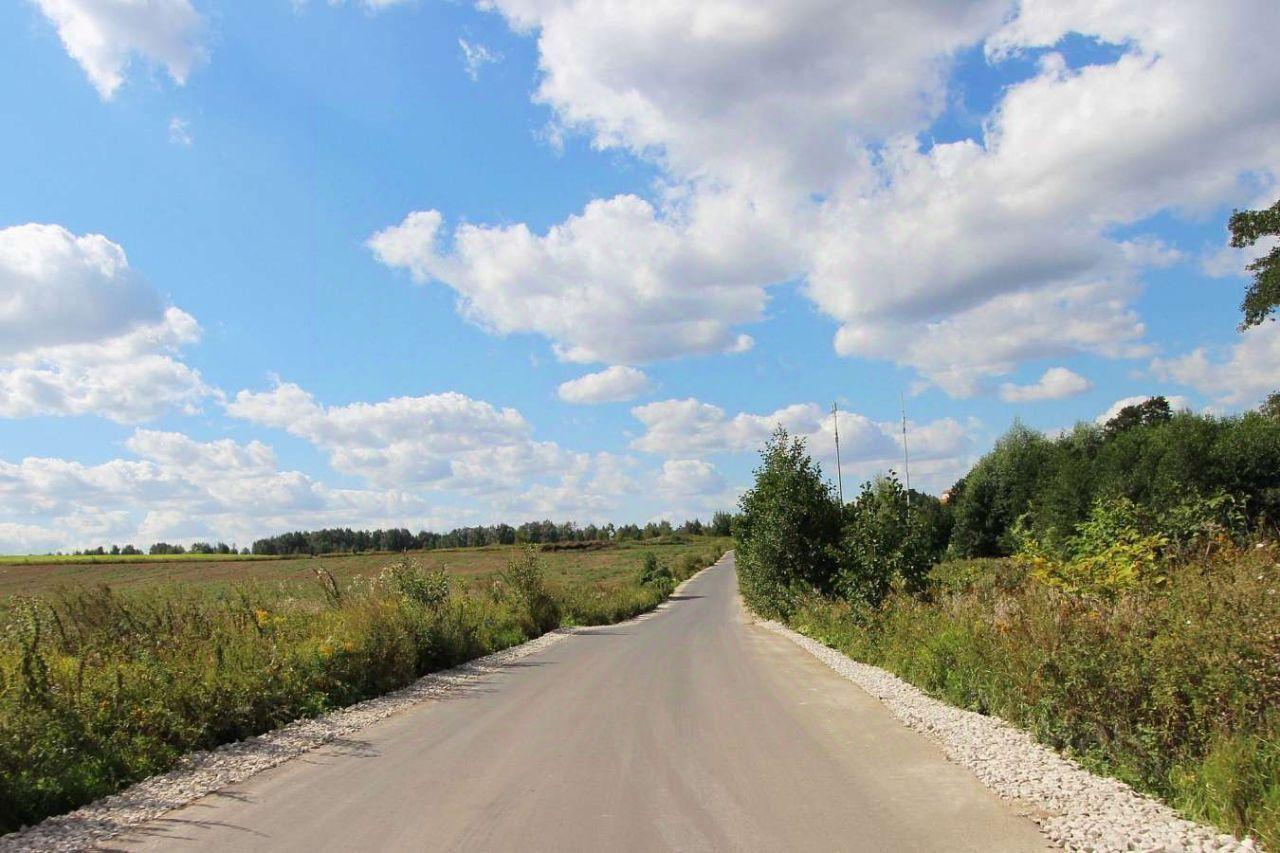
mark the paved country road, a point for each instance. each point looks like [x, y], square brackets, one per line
[690, 729]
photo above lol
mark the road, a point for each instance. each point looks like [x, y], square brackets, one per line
[691, 729]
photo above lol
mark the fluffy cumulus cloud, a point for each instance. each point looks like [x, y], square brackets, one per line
[939, 451]
[616, 283]
[612, 385]
[1241, 374]
[104, 35]
[178, 489]
[1066, 155]
[914, 249]
[1054, 384]
[82, 333]
[442, 441]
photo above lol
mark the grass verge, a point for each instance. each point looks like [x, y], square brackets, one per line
[1174, 690]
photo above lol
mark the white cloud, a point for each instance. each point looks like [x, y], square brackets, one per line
[914, 249]
[1054, 384]
[1241, 374]
[1176, 403]
[620, 282]
[940, 450]
[689, 427]
[684, 478]
[180, 132]
[58, 288]
[475, 56]
[438, 441]
[103, 35]
[612, 385]
[180, 489]
[82, 333]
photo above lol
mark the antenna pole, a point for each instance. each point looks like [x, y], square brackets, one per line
[906, 459]
[835, 425]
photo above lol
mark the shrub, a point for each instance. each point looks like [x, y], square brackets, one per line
[524, 581]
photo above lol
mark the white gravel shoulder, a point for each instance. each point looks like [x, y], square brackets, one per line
[1076, 809]
[204, 772]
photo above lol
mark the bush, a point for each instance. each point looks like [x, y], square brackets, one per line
[524, 582]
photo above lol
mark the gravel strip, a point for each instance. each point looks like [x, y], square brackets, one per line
[1076, 809]
[204, 772]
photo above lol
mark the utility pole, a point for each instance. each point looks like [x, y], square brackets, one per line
[906, 459]
[835, 425]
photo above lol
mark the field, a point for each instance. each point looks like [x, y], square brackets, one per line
[42, 575]
[110, 672]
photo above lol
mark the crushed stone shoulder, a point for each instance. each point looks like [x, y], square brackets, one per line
[1075, 809]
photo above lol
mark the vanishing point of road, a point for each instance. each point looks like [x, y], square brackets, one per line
[690, 729]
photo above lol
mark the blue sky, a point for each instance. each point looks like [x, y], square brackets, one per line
[306, 264]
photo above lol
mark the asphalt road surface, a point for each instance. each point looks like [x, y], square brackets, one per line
[691, 729]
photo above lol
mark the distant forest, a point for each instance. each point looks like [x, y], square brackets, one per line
[344, 540]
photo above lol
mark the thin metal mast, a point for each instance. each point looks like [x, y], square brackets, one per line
[906, 459]
[835, 424]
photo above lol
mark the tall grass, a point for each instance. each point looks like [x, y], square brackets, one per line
[100, 688]
[1175, 689]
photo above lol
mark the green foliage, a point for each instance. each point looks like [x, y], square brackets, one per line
[524, 581]
[1151, 411]
[652, 572]
[1270, 407]
[1110, 553]
[1263, 295]
[998, 491]
[787, 528]
[407, 578]
[886, 538]
[721, 524]
[1158, 464]
[1173, 690]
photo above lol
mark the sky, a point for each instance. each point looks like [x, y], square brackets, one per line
[281, 265]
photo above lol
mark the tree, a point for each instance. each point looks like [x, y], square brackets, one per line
[721, 524]
[1270, 407]
[1263, 295]
[887, 536]
[788, 527]
[1153, 410]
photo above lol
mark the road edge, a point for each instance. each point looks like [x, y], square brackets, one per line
[1074, 808]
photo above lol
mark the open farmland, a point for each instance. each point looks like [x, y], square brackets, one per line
[45, 575]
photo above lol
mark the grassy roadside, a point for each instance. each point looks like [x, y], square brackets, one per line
[100, 688]
[1176, 691]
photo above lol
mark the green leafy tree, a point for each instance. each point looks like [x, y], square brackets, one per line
[787, 529]
[887, 538]
[1270, 407]
[1153, 410]
[1263, 295]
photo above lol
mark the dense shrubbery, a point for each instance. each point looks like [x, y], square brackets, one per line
[1137, 625]
[100, 688]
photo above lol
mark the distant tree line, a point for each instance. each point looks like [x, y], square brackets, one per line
[346, 540]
